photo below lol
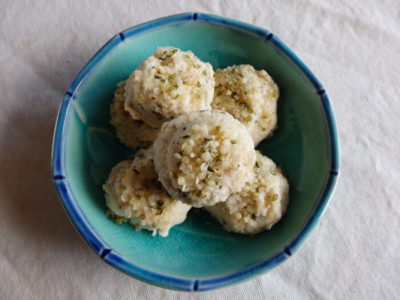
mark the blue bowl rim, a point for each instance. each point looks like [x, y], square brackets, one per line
[93, 239]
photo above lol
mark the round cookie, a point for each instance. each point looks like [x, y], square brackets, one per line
[132, 191]
[203, 157]
[169, 83]
[130, 130]
[259, 205]
[250, 96]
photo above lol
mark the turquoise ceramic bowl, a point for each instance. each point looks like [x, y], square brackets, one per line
[198, 254]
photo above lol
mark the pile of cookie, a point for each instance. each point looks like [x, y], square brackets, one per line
[199, 129]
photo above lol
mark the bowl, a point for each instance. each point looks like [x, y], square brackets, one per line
[198, 254]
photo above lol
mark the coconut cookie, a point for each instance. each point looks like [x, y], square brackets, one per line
[132, 191]
[169, 83]
[203, 157]
[130, 130]
[259, 205]
[250, 96]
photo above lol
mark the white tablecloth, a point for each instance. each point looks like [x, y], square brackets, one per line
[352, 46]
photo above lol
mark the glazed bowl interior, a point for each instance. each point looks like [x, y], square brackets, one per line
[197, 254]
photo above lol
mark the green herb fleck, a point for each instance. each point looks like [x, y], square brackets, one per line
[233, 141]
[116, 219]
[246, 104]
[257, 164]
[186, 136]
[210, 170]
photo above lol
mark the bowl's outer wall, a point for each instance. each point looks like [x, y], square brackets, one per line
[198, 248]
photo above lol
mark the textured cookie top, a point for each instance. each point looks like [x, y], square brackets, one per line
[260, 203]
[132, 191]
[250, 96]
[203, 157]
[169, 83]
[130, 130]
